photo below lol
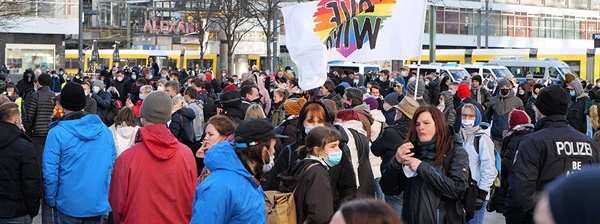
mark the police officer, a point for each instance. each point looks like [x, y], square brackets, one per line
[555, 149]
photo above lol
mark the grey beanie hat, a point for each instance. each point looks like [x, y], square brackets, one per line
[156, 108]
[392, 99]
[410, 88]
[98, 83]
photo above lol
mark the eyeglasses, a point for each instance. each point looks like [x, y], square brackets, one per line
[468, 116]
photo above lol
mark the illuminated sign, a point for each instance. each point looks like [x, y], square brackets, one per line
[169, 26]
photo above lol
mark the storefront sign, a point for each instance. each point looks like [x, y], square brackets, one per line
[169, 26]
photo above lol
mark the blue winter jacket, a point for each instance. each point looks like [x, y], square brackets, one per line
[77, 165]
[230, 194]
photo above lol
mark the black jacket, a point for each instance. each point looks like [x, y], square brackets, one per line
[390, 116]
[290, 129]
[529, 109]
[576, 114]
[366, 179]
[20, 181]
[124, 88]
[542, 157]
[103, 101]
[433, 195]
[40, 111]
[393, 137]
[313, 196]
[434, 92]
[91, 106]
[509, 149]
[182, 125]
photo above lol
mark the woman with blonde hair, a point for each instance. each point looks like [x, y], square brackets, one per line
[182, 121]
[255, 111]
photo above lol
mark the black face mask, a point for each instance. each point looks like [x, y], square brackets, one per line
[504, 92]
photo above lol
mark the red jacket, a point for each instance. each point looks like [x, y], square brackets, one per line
[136, 108]
[154, 180]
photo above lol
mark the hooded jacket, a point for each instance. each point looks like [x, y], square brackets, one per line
[576, 114]
[482, 163]
[377, 126]
[433, 195]
[182, 125]
[143, 190]
[499, 109]
[230, 194]
[104, 101]
[19, 176]
[313, 196]
[336, 98]
[124, 136]
[393, 137]
[77, 164]
[542, 157]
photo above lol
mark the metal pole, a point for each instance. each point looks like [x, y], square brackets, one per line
[478, 28]
[487, 15]
[432, 32]
[128, 27]
[275, 61]
[80, 58]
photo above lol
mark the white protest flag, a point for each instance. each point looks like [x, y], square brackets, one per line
[351, 30]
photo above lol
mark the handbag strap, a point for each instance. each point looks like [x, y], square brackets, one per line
[302, 175]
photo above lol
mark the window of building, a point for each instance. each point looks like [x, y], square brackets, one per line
[23, 56]
[557, 28]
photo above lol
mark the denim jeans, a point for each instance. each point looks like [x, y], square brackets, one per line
[19, 220]
[396, 201]
[61, 218]
[378, 193]
[478, 218]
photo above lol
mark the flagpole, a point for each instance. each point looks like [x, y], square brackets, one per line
[421, 52]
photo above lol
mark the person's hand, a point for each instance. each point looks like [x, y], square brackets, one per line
[398, 88]
[412, 163]
[404, 152]
[128, 103]
[219, 110]
[202, 150]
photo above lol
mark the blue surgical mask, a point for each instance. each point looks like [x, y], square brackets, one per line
[572, 94]
[133, 77]
[381, 78]
[96, 89]
[150, 77]
[334, 158]
[403, 74]
[141, 96]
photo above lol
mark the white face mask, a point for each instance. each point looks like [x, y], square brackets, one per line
[160, 88]
[468, 123]
[385, 107]
[308, 128]
[269, 166]
[119, 79]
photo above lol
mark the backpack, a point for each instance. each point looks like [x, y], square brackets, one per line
[113, 110]
[209, 108]
[281, 207]
[470, 196]
[498, 162]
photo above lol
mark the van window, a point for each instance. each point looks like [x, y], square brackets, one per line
[553, 72]
[371, 69]
[459, 74]
[472, 70]
[501, 72]
[424, 71]
[486, 72]
[343, 69]
[521, 72]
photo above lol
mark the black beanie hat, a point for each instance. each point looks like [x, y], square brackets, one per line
[553, 100]
[477, 78]
[72, 97]
[45, 79]
[569, 203]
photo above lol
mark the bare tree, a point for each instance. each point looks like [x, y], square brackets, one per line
[14, 12]
[203, 13]
[264, 12]
[232, 16]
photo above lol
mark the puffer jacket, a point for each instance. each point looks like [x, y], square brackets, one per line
[433, 195]
[39, 112]
[498, 111]
[230, 194]
[182, 125]
[20, 181]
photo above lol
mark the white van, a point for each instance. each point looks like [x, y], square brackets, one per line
[457, 72]
[347, 67]
[539, 68]
[485, 70]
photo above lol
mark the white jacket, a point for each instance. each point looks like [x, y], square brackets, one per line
[376, 130]
[124, 136]
[357, 126]
[482, 165]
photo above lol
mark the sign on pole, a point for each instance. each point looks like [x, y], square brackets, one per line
[95, 55]
[116, 55]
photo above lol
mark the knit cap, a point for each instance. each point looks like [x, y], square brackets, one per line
[156, 107]
[293, 107]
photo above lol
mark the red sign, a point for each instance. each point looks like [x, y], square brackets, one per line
[169, 26]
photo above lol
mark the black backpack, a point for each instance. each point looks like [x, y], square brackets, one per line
[113, 110]
[209, 109]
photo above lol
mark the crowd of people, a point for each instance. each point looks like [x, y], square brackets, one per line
[161, 145]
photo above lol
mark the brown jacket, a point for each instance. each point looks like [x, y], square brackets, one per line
[365, 117]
